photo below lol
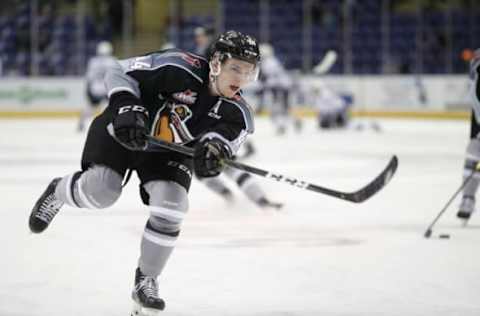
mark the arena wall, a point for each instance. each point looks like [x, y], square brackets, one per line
[379, 96]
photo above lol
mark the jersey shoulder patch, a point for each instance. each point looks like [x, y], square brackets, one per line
[194, 65]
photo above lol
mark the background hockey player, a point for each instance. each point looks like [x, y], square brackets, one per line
[333, 110]
[203, 37]
[246, 183]
[277, 84]
[96, 91]
[467, 205]
[177, 97]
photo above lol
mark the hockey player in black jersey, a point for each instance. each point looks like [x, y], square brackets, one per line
[467, 206]
[175, 96]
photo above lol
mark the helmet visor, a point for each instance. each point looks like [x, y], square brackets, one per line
[246, 72]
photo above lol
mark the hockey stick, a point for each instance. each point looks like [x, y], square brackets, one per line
[358, 196]
[155, 145]
[326, 63]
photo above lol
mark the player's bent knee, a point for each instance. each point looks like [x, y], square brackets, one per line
[168, 205]
[99, 187]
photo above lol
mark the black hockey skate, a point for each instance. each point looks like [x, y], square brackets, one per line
[463, 215]
[466, 208]
[264, 202]
[145, 296]
[45, 209]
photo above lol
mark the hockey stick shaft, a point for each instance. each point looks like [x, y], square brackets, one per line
[359, 196]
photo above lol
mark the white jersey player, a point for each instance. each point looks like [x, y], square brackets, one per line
[203, 38]
[467, 205]
[332, 109]
[276, 82]
[96, 90]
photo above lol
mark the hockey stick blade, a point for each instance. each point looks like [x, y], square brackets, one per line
[367, 191]
[357, 197]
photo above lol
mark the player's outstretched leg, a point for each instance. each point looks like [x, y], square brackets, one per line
[45, 209]
[251, 188]
[467, 206]
[218, 186]
[145, 296]
[249, 150]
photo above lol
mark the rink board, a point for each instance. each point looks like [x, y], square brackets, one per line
[372, 96]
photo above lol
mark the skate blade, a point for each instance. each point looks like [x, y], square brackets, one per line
[138, 310]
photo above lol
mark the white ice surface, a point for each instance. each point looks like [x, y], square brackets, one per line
[319, 256]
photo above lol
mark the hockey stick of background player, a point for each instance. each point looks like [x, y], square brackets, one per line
[428, 232]
[358, 196]
[326, 63]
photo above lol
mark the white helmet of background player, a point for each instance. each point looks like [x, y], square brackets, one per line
[266, 50]
[203, 35]
[104, 48]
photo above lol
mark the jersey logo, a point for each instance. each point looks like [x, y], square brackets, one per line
[191, 60]
[179, 115]
[172, 127]
[163, 130]
[214, 115]
[182, 112]
[214, 111]
[187, 96]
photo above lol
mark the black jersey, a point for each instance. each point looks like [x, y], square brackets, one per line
[173, 86]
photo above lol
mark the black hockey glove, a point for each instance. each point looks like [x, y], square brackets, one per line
[209, 156]
[131, 126]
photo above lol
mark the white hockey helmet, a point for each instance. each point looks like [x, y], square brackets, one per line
[104, 48]
[266, 50]
[167, 45]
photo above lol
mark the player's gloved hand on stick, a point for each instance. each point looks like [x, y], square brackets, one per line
[209, 156]
[131, 126]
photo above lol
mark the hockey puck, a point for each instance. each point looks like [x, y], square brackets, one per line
[444, 236]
